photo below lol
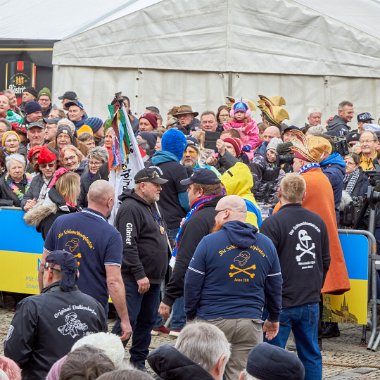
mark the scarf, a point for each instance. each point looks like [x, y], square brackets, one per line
[306, 168]
[350, 180]
[25, 182]
[44, 189]
[200, 203]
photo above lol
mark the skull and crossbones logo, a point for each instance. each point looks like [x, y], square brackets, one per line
[242, 270]
[305, 245]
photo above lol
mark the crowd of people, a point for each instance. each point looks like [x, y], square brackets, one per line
[194, 251]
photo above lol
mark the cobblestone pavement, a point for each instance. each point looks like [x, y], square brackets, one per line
[343, 358]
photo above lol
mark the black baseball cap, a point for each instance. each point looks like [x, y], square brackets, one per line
[203, 177]
[70, 95]
[364, 116]
[53, 120]
[152, 174]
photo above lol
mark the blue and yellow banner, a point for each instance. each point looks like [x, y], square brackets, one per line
[21, 247]
[351, 307]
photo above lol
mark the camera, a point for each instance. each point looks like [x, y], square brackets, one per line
[286, 159]
[339, 145]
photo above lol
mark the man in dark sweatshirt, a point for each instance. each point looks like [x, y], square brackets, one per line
[301, 239]
[337, 126]
[233, 273]
[145, 257]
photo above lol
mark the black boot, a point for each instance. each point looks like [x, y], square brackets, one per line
[330, 330]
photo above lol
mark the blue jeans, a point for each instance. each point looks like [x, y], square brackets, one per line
[178, 316]
[303, 321]
[142, 310]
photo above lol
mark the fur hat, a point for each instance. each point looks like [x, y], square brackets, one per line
[44, 91]
[174, 141]
[31, 107]
[274, 143]
[109, 343]
[151, 117]
[269, 362]
[310, 148]
[236, 143]
[46, 155]
[95, 123]
[31, 90]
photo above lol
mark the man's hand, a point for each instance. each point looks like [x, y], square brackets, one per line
[126, 329]
[143, 285]
[271, 329]
[221, 146]
[30, 203]
[164, 310]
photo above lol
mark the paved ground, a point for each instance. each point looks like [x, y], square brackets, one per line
[343, 358]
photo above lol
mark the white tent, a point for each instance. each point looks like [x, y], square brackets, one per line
[197, 52]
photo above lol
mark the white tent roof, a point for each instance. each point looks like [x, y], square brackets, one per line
[58, 19]
[261, 36]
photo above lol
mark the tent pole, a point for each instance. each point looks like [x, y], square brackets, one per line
[229, 84]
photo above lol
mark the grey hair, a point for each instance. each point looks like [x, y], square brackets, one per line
[203, 343]
[99, 153]
[7, 123]
[343, 104]
[67, 123]
[14, 157]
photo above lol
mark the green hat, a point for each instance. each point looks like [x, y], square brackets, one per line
[44, 91]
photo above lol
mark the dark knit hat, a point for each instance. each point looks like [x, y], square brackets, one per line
[269, 362]
[31, 107]
[66, 130]
[151, 117]
[46, 156]
[150, 138]
[44, 91]
[31, 90]
[174, 141]
[68, 267]
[95, 123]
[235, 142]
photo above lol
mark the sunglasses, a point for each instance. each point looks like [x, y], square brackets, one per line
[50, 165]
[46, 266]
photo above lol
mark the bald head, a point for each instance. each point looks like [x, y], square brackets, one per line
[236, 207]
[271, 132]
[99, 193]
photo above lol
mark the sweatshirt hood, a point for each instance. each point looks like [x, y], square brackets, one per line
[237, 180]
[128, 193]
[168, 363]
[336, 121]
[334, 159]
[240, 234]
[163, 156]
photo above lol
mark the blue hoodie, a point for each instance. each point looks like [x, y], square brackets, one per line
[334, 167]
[163, 156]
[232, 274]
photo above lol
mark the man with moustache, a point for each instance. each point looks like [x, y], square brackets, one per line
[145, 257]
[233, 273]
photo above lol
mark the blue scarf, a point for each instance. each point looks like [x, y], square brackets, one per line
[306, 168]
[196, 207]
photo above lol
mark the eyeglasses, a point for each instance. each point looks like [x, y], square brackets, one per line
[229, 208]
[49, 165]
[46, 266]
[95, 163]
[71, 158]
[191, 152]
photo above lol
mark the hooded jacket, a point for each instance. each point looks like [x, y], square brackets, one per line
[232, 274]
[238, 180]
[45, 327]
[145, 247]
[334, 167]
[197, 227]
[337, 127]
[168, 363]
[171, 198]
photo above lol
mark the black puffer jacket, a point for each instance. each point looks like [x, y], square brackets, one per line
[168, 363]
[45, 327]
[145, 247]
[337, 127]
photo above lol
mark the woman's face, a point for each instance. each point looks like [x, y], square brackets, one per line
[70, 160]
[271, 155]
[157, 147]
[63, 139]
[11, 143]
[108, 139]
[94, 165]
[48, 169]
[224, 116]
[16, 170]
[350, 164]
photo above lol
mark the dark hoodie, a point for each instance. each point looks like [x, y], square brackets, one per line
[232, 274]
[145, 248]
[334, 167]
[168, 363]
[337, 127]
